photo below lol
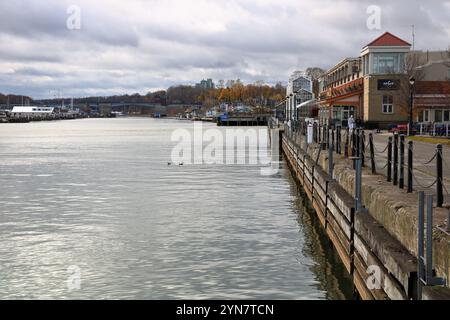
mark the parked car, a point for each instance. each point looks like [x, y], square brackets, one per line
[402, 129]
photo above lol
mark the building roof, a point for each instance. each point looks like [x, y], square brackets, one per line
[307, 103]
[341, 63]
[387, 39]
[432, 87]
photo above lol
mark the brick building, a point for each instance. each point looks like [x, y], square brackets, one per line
[432, 102]
[373, 88]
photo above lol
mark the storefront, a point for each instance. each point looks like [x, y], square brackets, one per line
[432, 102]
[440, 116]
[341, 114]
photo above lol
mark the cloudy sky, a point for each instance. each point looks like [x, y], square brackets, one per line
[128, 46]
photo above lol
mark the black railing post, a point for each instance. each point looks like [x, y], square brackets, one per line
[358, 142]
[333, 140]
[389, 163]
[410, 166]
[314, 132]
[352, 143]
[362, 146]
[401, 181]
[395, 167]
[339, 138]
[372, 154]
[347, 141]
[439, 174]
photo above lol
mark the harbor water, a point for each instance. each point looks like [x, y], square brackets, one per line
[91, 209]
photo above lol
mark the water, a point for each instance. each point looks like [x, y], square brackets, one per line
[91, 210]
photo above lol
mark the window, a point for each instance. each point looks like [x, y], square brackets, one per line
[384, 63]
[438, 116]
[388, 104]
[426, 115]
[446, 115]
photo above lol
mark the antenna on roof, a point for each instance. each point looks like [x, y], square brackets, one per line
[413, 38]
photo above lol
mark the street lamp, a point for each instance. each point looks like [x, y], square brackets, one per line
[412, 80]
[291, 111]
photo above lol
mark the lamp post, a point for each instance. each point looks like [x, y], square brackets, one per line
[294, 98]
[411, 103]
[291, 110]
[287, 109]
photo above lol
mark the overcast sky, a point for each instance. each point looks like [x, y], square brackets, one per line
[130, 46]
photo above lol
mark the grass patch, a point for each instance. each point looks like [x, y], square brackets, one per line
[433, 140]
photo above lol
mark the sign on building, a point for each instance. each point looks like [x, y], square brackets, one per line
[386, 84]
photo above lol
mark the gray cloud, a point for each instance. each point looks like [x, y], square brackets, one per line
[138, 45]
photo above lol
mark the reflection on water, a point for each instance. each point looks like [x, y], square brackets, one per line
[98, 194]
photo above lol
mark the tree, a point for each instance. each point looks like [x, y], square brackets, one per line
[315, 72]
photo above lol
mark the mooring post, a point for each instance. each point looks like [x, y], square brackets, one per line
[372, 154]
[401, 182]
[395, 178]
[410, 166]
[389, 164]
[439, 187]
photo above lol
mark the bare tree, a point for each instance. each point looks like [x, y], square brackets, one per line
[315, 73]
[412, 69]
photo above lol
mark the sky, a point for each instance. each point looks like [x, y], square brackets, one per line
[52, 48]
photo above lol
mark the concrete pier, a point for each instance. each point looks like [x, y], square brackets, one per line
[379, 244]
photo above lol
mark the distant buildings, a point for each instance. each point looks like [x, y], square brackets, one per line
[298, 91]
[205, 84]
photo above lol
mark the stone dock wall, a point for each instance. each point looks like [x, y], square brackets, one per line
[379, 245]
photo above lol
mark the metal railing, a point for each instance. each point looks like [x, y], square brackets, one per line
[399, 164]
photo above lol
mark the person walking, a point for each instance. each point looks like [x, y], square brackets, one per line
[351, 125]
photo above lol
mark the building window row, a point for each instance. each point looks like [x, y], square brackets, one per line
[434, 115]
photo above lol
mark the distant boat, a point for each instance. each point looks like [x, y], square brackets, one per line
[3, 117]
[117, 114]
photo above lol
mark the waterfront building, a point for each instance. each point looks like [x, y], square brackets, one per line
[298, 91]
[341, 92]
[375, 88]
[432, 88]
[432, 102]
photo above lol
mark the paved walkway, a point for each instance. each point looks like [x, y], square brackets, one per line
[424, 173]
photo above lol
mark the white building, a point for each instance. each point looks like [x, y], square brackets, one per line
[298, 91]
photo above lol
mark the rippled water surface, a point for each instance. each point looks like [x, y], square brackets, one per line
[97, 196]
